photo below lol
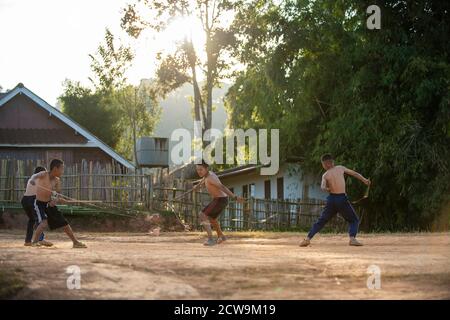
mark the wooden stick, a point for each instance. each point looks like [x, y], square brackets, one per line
[83, 201]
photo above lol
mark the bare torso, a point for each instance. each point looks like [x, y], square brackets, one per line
[335, 180]
[30, 189]
[212, 188]
[45, 186]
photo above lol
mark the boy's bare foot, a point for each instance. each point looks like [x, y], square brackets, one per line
[305, 243]
[46, 243]
[354, 242]
[209, 242]
[79, 245]
[221, 239]
[36, 244]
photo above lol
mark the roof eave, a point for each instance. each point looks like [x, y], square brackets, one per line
[236, 171]
[19, 89]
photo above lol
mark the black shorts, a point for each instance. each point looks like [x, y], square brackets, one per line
[215, 207]
[28, 206]
[40, 210]
[54, 217]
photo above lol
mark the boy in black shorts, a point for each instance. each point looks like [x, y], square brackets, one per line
[48, 186]
[28, 205]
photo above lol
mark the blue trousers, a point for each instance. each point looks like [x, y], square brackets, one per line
[337, 203]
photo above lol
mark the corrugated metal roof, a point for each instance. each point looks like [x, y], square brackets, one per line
[238, 170]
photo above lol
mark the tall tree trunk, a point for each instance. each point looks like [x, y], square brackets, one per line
[133, 125]
[209, 68]
[209, 90]
[199, 110]
[192, 60]
[197, 101]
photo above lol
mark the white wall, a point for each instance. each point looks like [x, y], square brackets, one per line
[293, 183]
[315, 192]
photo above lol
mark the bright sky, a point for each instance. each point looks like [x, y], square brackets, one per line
[46, 41]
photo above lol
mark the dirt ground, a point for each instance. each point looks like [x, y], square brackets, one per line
[253, 265]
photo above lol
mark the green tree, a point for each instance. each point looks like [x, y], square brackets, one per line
[183, 65]
[140, 113]
[92, 110]
[377, 99]
[136, 108]
[117, 112]
[110, 63]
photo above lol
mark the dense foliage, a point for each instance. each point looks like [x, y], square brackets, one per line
[376, 99]
[93, 110]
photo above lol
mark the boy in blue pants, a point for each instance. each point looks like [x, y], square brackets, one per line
[333, 181]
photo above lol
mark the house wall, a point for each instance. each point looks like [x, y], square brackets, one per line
[295, 185]
[23, 122]
[23, 113]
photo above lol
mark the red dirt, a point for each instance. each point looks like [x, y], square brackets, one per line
[249, 266]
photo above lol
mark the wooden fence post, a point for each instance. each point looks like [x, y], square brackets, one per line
[150, 191]
[13, 176]
[250, 213]
[194, 209]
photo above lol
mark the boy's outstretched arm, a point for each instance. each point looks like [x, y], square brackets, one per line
[323, 184]
[357, 176]
[199, 185]
[226, 190]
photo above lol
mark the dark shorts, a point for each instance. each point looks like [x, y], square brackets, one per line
[28, 206]
[40, 210]
[54, 217]
[215, 207]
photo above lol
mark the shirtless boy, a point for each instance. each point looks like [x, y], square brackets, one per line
[333, 181]
[28, 205]
[47, 184]
[220, 194]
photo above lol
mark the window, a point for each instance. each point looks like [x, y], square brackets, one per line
[251, 187]
[248, 190]
[280, 188]
[245, 191]
[267, 194]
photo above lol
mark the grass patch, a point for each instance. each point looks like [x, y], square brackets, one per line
[10, 284]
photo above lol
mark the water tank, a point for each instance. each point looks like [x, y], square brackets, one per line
[152, 152]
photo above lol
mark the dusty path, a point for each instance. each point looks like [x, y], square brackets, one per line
[248, 266]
